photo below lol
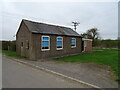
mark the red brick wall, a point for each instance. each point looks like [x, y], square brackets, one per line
[53, 52]
[88, 46]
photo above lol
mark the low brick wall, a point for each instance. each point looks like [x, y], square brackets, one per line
[88, 45]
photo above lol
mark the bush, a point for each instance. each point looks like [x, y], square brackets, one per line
[8, 45]
[106, 43]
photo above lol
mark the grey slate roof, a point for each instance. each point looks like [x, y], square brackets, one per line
[43, 28]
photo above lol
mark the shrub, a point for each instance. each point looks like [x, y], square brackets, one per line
[106, 43]
[8, 45]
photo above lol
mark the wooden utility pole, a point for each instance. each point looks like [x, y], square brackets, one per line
[75, 24]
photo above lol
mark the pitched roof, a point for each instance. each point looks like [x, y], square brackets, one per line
[36, 27]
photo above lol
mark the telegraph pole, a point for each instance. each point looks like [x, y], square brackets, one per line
[75, 24]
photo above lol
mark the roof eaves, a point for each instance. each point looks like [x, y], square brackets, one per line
[53, 34]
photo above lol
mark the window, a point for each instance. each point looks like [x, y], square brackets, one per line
[59, 43]
[45, 43]
[85, 44]
[27, 44]
[73, 42]
[21, 44]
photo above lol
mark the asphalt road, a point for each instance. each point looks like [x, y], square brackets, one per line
[17, 75]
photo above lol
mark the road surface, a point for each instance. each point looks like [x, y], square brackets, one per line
[17, 75]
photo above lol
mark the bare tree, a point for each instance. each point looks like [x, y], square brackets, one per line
[91, 34]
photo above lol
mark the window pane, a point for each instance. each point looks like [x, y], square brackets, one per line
[84, 43]
[59, 43]
[73, 45]
[73, 40]
[45, 43]
[45, 38]
[21, 44]
[59, 46]
[59, 38]
[45, 47]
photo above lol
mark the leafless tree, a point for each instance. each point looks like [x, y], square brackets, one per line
[91, 34]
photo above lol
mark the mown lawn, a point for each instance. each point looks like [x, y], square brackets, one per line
[11, 54]
[107, 57]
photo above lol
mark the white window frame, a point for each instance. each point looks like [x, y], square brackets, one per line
[59, 40]
[45, 40]
[85, 43]
[75, 43]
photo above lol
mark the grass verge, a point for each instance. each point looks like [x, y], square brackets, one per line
[106, 57]
[11, 54]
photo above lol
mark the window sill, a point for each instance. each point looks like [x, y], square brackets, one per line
[73, 47]
[45, 49]
[59, 49]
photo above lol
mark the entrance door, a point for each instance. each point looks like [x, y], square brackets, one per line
[82, 45]
[22, 54]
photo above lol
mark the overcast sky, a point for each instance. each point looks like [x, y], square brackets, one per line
[102, 15]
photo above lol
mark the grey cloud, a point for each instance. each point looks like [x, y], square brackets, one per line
[100, 15]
